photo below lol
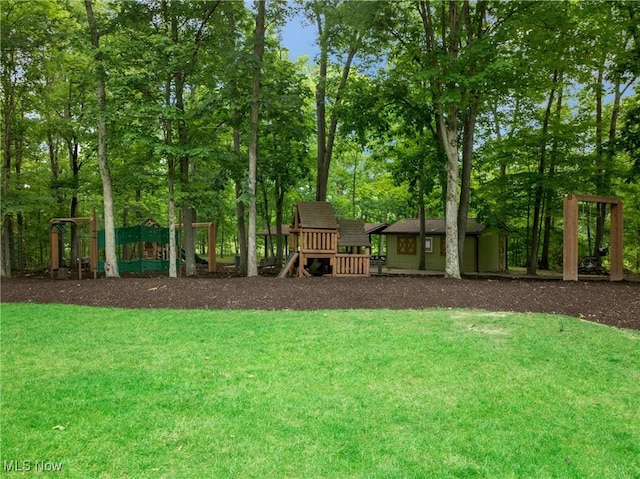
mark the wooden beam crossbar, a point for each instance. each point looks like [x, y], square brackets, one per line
[597, 199]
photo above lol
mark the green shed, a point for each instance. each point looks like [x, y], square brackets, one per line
[484, 251]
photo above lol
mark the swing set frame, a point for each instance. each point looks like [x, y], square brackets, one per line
[570, 236]
[93, 244]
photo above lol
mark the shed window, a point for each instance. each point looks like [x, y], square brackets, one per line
[407, 245]
[428, 244]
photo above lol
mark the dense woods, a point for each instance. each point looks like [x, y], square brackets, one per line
[194, 111]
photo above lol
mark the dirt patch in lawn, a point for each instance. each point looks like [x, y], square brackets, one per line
[611, 303]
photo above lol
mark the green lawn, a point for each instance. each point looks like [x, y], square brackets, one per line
[329, 394]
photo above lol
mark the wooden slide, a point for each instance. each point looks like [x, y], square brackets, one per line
[288, 265]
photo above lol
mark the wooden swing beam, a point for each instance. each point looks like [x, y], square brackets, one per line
[570, 240]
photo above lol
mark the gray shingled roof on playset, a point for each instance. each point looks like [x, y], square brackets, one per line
[433, 226]
[351, 233]
[316, 214]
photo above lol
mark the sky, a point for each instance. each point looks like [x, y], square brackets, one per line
[299, 37]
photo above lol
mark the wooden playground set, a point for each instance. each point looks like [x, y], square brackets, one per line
[321, 244]
[141, 248]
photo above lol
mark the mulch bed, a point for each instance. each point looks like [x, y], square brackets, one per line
[611, 303]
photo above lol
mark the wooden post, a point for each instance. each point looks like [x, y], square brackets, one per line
[617, 242]
[93, 245]
[211, 229]
[380, 255]
[301, 264]
[367, 266]
[55, 253]
[570, 239]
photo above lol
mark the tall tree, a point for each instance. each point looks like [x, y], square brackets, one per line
[27, 31]
[176, 59]
[237, 73]
[285, 128]
[326, 134]
[184, 63]
[111, 260]
[613, 59]
[345, 29]
[549, 196]
[542, 168]
[442, 58]
[258, 51]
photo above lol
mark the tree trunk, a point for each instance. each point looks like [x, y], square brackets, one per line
[421, 219]
[546, 238]
[57, 194]
[7, 230]
[452, 262]
[321, 193]
[474, 26]
[171, 170]
[321, 115]
[268, 244]
[605, 167]
[546, 241]
[111, 260]
[188, 232]
[240, 206]
[5, 250]
[548, 209]
[188, 217]
[242, 229]
[17, 248]
[258, 51]
[326, 139]
[532, 265]
[279, 215]
[72, 147]
[188, 239]
[600, 160]
[447, 127]
[173, 257]
[465, 186]
[188, 236]
[73, 150]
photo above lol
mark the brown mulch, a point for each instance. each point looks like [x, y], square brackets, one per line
[611, 303]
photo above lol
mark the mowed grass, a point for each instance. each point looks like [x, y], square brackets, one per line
[330, 394]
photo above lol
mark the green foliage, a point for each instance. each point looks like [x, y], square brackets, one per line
[630, 137]
[285, 124]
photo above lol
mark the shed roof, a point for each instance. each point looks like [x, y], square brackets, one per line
[351, 233]
[316, 214]
[433, 226]
[374, 228]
